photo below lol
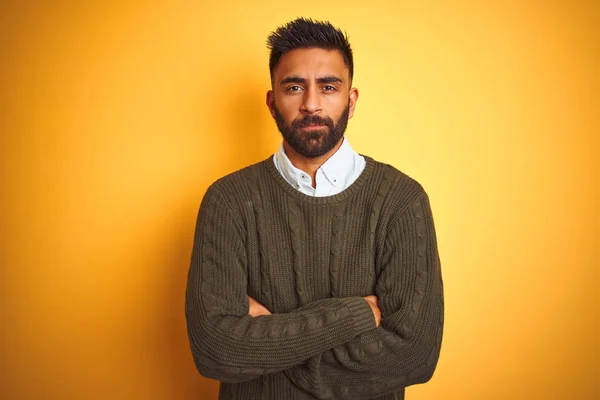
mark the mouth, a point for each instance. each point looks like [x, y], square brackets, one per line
[313, 127]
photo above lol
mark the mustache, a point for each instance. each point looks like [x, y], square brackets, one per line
[312, 120]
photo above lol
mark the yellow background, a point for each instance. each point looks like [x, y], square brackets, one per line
[115, 117]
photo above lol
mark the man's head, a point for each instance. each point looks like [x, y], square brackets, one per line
[311, 74]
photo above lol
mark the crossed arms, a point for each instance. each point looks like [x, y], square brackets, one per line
[255, 309]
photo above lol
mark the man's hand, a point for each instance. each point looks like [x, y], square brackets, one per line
[372, 300]
[256, 308]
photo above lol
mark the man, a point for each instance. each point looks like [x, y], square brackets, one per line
[315, 273]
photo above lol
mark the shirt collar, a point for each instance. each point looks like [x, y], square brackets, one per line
[340, 164]
[286, 168]
[336, 169]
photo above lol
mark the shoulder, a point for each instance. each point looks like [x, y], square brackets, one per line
[238, 185]
[399, 181]
[401, 190]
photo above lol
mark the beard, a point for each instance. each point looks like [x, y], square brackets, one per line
[314, 143]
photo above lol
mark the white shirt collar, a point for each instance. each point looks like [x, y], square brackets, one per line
[339, 164]
[335, 175]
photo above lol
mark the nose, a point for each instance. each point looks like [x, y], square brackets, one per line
[311, 101]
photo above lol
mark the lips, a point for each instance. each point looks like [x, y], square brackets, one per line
[313, 127]
[312, 123]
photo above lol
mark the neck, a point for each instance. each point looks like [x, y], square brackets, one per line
[310, 165]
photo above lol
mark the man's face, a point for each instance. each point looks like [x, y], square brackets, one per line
[311, 100]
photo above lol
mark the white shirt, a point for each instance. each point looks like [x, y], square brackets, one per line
[335, 175]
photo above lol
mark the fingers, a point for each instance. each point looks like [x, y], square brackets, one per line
[372, 300]
[255, 308]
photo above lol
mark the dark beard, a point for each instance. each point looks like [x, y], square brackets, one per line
[317, 142]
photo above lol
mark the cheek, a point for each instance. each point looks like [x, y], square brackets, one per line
[288, 109]
[288, 103]
[336, 113]
[336, 104]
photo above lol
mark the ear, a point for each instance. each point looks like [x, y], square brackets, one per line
[271, 102]
[353, 98]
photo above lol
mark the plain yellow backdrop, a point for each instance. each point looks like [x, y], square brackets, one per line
[115, 116]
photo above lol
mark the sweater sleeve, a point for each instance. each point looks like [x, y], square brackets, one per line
[229, 345]
[405, 348]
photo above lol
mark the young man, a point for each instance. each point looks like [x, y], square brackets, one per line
[315, 273]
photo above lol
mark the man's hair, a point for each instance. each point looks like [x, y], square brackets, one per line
[304, 33]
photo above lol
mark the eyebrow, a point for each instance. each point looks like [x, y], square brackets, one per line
[325, 79]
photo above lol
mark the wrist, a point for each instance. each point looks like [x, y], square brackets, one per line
[360, 310]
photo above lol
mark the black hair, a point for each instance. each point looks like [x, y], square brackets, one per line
[303, 33]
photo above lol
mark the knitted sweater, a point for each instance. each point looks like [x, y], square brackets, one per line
[310, 261]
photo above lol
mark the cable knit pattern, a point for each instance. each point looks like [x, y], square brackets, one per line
[311, 260]
[375, 211]
[295, 232]
[259, 220]
[336, 243]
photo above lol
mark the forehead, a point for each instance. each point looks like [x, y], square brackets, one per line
[308, 63]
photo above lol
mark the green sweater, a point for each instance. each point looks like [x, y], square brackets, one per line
[310, 261]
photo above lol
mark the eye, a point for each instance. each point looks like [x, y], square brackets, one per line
[328, 88]
[294, 88]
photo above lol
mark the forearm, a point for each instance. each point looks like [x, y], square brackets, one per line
[234, 347]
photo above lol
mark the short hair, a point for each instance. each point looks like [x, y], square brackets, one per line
[304, 33]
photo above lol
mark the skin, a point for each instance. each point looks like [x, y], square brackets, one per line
[311, 82]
